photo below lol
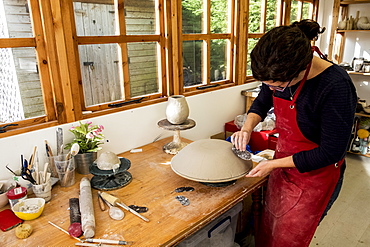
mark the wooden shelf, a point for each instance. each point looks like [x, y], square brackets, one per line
[357, 73]
[366, 155]
[353, 2]
[349, 31]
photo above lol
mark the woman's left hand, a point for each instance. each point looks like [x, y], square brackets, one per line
[261, 170]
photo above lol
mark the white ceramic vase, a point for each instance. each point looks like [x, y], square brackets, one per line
[177, 110]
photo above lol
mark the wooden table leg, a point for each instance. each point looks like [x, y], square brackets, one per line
[257, 197]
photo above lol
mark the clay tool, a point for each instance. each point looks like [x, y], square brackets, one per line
[49, 152]
[93, 245]
[59, 134]
[87, 208]
[51, 223]
[101, 203]
[74, 228]
[32, 158]
[44, 174]
[36, 169]
[244, 155]
[115, 201]
[114, 212]
[107, 241]
[11, 170]
[74, 150]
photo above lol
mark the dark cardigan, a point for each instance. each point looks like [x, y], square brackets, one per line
[325, 113]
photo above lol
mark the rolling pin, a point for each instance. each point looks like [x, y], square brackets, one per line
[116, 202]
[87, 208]
[74, 228]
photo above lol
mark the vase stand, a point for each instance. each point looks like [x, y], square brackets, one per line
[176, 145]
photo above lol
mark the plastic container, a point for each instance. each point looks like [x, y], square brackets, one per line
[16, 194]
[220, 232]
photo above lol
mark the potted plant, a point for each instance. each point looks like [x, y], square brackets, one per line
[88, 137]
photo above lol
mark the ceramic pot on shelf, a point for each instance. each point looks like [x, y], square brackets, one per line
[83, 162]
[177, 110]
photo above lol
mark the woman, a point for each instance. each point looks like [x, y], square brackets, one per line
[314, 102]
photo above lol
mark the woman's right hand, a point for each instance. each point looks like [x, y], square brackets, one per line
[240, 139]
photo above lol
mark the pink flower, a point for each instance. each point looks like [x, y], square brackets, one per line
[100, 128]
[72, 128]
[96, 133]
[90, 135]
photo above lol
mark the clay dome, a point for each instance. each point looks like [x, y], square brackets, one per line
[108, 161]
[210, 161]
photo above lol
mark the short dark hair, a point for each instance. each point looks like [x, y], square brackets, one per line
[283, 52]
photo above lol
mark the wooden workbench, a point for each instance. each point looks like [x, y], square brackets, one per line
[153, 186]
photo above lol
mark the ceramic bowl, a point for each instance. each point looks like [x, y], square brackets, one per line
[108, 161]
[210, 161]
[29, 209]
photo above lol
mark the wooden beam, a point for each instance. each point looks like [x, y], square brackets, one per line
[52, 59]
[91, 40]
[336, 6]
[66, 57]
[110, 2]
[125, 75]
[241, 48]
[17, 42]
[176, 22]
[230, 56]
[161, 15]
[169, 51]
[42, 61]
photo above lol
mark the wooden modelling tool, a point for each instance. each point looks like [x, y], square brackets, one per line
[115, 201]
[87, 208]
[114, 212]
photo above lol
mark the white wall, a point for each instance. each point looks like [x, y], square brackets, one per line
[357, 44]
[133, 128]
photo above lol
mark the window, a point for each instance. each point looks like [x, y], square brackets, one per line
[24, 73]
[63, 61]
[207, 28]
[266, 14]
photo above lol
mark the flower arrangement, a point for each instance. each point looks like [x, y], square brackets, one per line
[87, 136]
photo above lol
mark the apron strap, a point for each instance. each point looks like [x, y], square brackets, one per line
[321, 55]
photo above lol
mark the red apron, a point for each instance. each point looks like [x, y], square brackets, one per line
[295, 201]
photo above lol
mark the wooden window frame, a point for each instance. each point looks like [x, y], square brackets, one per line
[56, 44]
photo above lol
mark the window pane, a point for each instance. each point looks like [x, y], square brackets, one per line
[192, 61]
[20, 95]
[219, 16]
[306, 11]
[294, 12]
[15, 21]
[254, 16]
[143, 66]
[94, 19]
[192, 16]
[140, 17]
[218, 59]
[251, 44]
[271, 14]
[100, 66]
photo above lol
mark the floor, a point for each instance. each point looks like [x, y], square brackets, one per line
[348, 221]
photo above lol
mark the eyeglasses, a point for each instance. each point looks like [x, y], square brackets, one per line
[278, 88]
